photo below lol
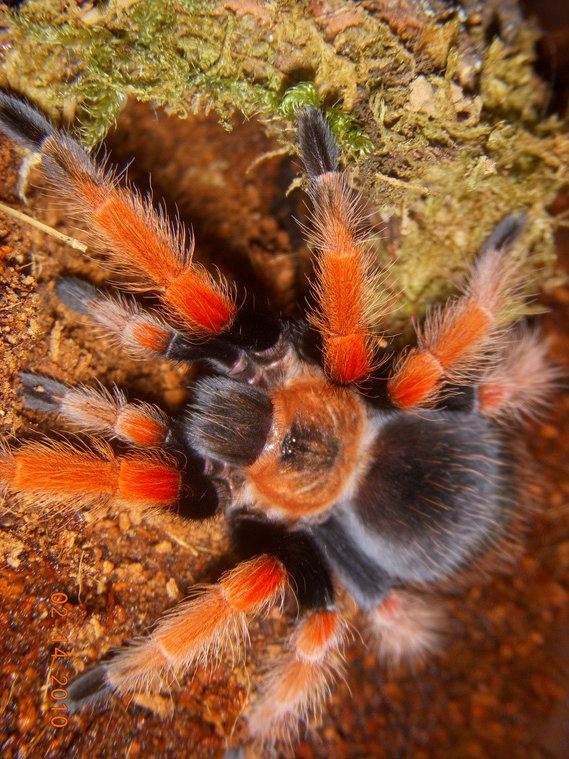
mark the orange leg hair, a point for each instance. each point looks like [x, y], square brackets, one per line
[521, 383]
[297, 686]
[455, 339]
[139, 239]
[199, 629]
[347, 286]
[51, 471]
[345, 276]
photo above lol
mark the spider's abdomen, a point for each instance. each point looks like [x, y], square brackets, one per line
[436, 494]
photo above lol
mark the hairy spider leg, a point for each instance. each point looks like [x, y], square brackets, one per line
[97, 411]
[100, 413]
[521, 382]
[347, 307]
[143, 334]
[136, 236]
[195, 632]
[406, 627]
[78, 476]
[457, 337]
[297, 685]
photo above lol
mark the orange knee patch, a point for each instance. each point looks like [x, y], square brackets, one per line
[316, 634]
[252, 583]
[148, 336]
[139, 427]
[415, 380]
[199, 302]
[69, 475]
[491, 396]
[347, 358]
[147, 480]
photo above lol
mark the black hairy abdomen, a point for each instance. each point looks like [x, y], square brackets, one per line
[437, 494]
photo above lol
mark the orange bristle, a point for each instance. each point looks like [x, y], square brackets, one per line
[148, 335]
[199, 303]
[491, 397]
[140, 241]
[347, 358]
[63, 472]
[191, 631]
[249, 585]
[292, 693]
[343, 282]
[467, 327]
[342, 299]
[418, 375]
[139, 427]
[458, 337]
[93, 192]
[197, 630]
[407, 627]
[88, 409]
[60, 470]
[450, 339]
[316, 634]
[131, 235]
[196, 299]
[522, 381]
[141, 333]
[70, 475]
[103, 413]
[297, 685]
[147, 480]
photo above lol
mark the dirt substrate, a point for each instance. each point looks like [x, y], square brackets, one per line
[498, 690]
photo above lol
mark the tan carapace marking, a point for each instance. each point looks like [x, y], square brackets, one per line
[331, 456]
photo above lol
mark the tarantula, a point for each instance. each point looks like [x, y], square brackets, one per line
[334, 462]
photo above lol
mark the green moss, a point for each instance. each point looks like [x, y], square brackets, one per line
[348, 131]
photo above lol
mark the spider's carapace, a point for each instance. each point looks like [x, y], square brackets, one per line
[332, 463]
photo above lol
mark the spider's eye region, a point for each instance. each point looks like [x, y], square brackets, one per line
[309, 448]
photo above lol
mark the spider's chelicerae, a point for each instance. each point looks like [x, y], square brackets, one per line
[334, 464]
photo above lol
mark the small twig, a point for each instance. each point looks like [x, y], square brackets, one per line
[265, 157]
[79, 577]
[43, 227]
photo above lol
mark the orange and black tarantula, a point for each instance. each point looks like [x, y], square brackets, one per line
[335, 463]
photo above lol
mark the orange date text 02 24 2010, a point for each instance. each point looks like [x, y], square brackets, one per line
[57, 691]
